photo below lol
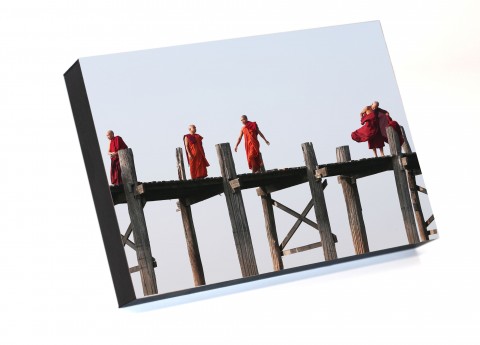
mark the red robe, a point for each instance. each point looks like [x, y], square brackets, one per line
[385, 121]
[198, 163]
[252, 146]
[369, 132]
[116, 144]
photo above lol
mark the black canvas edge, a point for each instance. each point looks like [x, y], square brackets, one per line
[99, 186]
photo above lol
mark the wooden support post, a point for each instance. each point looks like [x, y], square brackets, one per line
[402, 187]
[271, 229]
[236, 210]
[412, 184]
[137, 218]
[354, 207]
[319, 203]
[189, 228]
[405, 146]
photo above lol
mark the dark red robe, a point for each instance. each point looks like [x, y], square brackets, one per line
[384, 121]
[370, 131]
[116, 144]
[252, 146]
[198, 163]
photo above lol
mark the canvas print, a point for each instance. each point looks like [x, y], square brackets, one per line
[221, 162]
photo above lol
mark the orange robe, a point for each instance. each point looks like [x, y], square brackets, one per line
[198, 163]
[252, 146]
[116, 144]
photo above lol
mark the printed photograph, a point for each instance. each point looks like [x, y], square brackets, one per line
[240, 158]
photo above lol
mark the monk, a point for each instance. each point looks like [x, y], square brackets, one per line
[370, 131]
[195, 153]
[384, 121]
[252, 146]
[116, 144]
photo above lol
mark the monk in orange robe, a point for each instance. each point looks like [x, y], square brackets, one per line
[116, 144]
[252, 146]
[195, 153]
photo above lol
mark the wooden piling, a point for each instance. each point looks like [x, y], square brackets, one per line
[189, 228]
[412, 184]
[271, 229]
[319, 203]
[402, 186]
[137, 217]
[236, 211]
[354, 207]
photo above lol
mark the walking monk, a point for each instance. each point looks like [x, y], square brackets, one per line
[116, 144]
[195, 153]
[252, 146]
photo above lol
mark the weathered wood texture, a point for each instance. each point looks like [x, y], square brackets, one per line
[302, 248]
[405, 146]
[297, 225]
[137, 217]
[402, 187]
[354, 206]
[412, 184]
[236, 211]
[189, 228]
[271, 230]
[319, 204]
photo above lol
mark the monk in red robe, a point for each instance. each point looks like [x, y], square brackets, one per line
[195, 153]
[370, 131]
[384, 121]
[116, 144]
[252, 146]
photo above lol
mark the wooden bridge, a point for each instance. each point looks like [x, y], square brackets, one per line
[404, 165]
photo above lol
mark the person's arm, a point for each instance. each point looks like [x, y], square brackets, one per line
[238, 140]
[189, 154]
[263, 137]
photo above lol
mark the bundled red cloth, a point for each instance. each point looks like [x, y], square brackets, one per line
[369, 131]
[384, 121]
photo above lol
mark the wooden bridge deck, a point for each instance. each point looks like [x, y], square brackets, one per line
[193, 191]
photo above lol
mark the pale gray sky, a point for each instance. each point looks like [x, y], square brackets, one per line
[302, 86]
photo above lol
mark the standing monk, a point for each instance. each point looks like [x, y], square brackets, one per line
[116, 144]
[252, 146]
[384, 120]
[195, 153]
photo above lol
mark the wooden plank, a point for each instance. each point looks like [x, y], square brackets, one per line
[295, 214]
[319, 204]
[297, 225]
[403, 189]
[128, 242]
[137, 218]
[430, 220]
[422, 190]
[134, 269]
[236, 210]
[130, 227]
[432, 232]
[189, 228]
[234, 184]
[354, 207]
[302, 248]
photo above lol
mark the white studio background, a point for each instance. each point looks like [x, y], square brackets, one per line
[55, 284]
